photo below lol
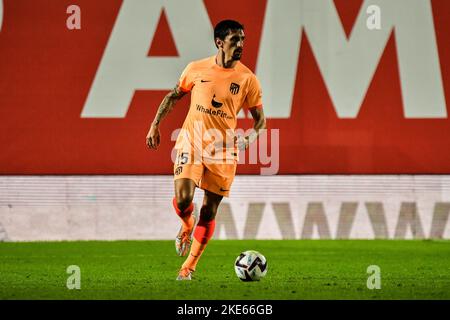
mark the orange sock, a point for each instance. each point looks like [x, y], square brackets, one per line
[202, 234]
[188, 223]
[197, 249]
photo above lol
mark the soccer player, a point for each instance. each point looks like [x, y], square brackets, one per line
[207, 147]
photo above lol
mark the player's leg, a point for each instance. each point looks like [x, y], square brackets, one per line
[187, 177]
[182, 203]
[216, 182]
[202, 234]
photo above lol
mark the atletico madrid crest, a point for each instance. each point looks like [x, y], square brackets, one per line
[234, 88]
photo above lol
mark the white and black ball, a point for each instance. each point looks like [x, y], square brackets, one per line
[250, 265]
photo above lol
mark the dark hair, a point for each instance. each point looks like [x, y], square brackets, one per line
[222, 29]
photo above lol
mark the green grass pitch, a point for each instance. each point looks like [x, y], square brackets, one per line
[297, 269]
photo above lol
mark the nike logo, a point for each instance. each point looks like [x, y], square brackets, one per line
[216, 104]
[205, 80]
[223, 190]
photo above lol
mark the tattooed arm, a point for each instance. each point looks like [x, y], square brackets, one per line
[153, 137]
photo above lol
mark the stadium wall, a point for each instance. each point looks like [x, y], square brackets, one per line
[276, 207]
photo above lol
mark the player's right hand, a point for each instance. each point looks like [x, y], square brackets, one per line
[153, 137]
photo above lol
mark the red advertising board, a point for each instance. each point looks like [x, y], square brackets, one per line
[47, 71]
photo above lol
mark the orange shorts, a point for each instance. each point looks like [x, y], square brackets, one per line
[214, 177]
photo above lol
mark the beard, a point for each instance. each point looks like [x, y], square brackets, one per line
[237, 55]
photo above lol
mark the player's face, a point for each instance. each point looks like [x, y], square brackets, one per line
[234, 44]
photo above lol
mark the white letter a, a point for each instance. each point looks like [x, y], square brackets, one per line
[74, 20]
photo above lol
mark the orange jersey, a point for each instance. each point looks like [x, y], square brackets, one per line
[217, 96]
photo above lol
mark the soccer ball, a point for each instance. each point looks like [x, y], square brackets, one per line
[250, 266]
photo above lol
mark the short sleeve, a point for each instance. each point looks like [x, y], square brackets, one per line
[186, 81]
[254, 94]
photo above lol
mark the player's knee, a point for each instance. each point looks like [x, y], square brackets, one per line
[184, 202]
[183, 199]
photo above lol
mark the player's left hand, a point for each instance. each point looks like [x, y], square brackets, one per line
[243, 142]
